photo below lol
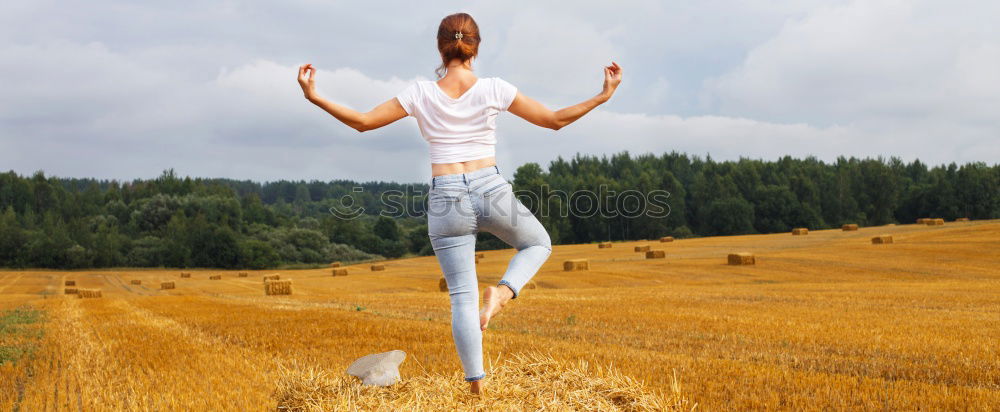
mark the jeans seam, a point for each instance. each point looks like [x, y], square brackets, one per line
[512, 289]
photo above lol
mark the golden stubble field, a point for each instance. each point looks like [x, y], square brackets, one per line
[822, 321]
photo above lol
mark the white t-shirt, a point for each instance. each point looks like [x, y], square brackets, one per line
[459, 129]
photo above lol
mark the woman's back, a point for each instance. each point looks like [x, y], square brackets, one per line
[458, 128]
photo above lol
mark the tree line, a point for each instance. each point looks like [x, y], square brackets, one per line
[172, 221]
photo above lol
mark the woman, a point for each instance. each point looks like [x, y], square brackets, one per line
[457, 116]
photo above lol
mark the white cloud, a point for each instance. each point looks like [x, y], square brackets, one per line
[870, 62]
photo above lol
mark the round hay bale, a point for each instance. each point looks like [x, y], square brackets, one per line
[656, 254]
[742, 258]
[576, 264]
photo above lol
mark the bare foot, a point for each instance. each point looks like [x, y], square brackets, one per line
[475, 387]
[494, 299]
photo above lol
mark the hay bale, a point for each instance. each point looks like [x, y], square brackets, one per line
[850, 227]
[71, 291]
[167, 285]
[530, 285]
[335, 264]
[185, 275]
[443, 284]
[604, 245]
[340, 272]
[135, 282]
[962, 219]
[378, 268]
[576, 264]
[656, 254]
[882, 240]
[215, 277]
[666, 239]
[642, 248]
[70, 283]
[938, 222]
[271, 277]
[800, 231]
[742, 258]
[89, 293]
[278, 287]
[480, 255]
[242, 274]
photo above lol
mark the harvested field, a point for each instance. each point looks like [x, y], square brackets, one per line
[826, 321]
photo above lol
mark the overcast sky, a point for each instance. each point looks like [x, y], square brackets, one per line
[127, 89]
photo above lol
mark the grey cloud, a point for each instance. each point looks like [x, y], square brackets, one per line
[123, 89]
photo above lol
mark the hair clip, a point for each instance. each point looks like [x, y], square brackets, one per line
[458, 35]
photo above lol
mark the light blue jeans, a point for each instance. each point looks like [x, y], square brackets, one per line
[459, 206]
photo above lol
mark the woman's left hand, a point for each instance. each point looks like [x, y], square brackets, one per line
[307, 83]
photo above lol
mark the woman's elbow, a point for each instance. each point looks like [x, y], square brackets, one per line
[362, 125]
[554, 123]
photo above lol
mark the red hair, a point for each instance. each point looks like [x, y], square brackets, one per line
[451, 46]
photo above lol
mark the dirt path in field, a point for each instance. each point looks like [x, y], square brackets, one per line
[107, 354]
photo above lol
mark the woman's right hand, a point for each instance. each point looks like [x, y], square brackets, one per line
[307, 83]
[612, 77]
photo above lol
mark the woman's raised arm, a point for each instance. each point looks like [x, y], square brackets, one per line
[537, 114]
[381, 115]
